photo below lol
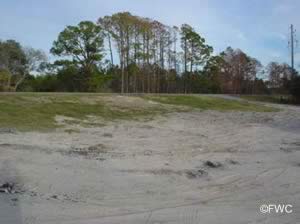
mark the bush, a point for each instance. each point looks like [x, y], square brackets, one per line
[295, 88]
[4, 80]
[99, 83]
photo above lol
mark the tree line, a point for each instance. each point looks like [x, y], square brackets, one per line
[131, 54]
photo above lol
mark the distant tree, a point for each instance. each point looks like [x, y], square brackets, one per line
[279, 76]
[12, 62]
[17, 62]
[213, 69]
[195, 51]
[239, 71]
[106, 24]
[214, 65]
[83, 44]
[35, 59]
[120, 27]
[150, 60]
[295, 87]
[185, 33]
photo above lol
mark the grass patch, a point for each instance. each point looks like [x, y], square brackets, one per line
[210, 103]
[37, 111]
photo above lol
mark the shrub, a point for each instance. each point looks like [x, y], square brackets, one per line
[295, 88]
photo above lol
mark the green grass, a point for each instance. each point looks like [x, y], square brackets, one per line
[37, 111]
[27, 112]
[210, 103]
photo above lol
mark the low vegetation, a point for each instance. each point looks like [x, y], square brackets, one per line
[211, 103]
[279, 99]
[38, 111]
[33, 111]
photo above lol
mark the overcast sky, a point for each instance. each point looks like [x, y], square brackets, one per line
[258, 27]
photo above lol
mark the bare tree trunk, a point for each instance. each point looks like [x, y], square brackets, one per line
[122, 71]
[19, 82]
[127, 60]
[148, 64]
[9, 82]
[110, 49]
[185, 55]
[185, 64]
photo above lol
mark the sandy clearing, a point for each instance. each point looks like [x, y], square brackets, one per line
[154, 171]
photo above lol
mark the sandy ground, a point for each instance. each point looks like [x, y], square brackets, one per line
[155, 172]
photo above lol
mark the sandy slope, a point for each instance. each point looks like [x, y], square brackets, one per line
[155, 172]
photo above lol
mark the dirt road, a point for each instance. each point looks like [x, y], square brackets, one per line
[183, 168]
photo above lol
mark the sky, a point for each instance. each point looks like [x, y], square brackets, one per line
[258, 27]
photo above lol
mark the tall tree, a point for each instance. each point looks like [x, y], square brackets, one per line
[17, 62]
[106, 24]
[120, 29]
[239, 71]
[196, 52]
[277, 73]
[13, 63]
[83, 44]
